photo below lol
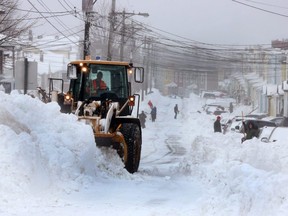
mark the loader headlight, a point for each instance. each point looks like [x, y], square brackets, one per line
[130, 71]
[68, 98]
[131, 101]
[84, 69]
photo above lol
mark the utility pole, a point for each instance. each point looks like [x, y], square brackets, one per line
[151, 60]
[146, 63]
[148, 68]
[111, 31]
[124, 15]
[86, 47]
[133, 43]
[25, 75]
[87, 8]
[123, 29]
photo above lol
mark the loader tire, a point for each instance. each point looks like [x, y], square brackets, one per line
[133, 139]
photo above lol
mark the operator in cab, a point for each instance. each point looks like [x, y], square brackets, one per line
[97, 84]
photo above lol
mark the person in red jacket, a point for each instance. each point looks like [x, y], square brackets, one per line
[217, 125]
[97, 84]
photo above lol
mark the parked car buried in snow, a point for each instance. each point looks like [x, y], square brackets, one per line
[256, 122]
[274, 134]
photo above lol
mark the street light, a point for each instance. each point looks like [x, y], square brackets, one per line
[143, 14]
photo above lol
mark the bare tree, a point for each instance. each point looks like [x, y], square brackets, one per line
[13, 22]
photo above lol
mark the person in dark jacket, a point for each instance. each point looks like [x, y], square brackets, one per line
[176, 111]
[217, 125]
[153, 113]
[231, 107]
[142, 118]
[251, 130]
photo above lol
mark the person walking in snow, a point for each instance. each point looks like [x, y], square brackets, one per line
[153, 113]
[142, 118]
[176, 111]
[231, 107]
[217, 125]
[150, 104]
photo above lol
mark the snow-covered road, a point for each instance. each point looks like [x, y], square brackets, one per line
[51, 166]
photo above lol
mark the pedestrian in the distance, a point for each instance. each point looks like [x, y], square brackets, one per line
[217, 125]
[231, 107]
[153, 113]
[176, 111]
[142, 118]
[150, 104]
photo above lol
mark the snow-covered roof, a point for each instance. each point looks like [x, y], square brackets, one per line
[270, 89]
[259, 85]
[285, 85]
[192, 86]
[57, 53]
[251, 76]
[280, 90]
[172, 84]
[56, 43]
[53, 62]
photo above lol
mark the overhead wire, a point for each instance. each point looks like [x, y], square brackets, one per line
[238, 50]
[47, 44]
[208, 52]
[56, 18]
[261, 9]
[214, 53]
[51, 23]
[119, 34]
[266, 4]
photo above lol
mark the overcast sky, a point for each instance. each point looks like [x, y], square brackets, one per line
[208, 21]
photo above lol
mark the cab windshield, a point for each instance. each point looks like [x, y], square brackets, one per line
[106, 78]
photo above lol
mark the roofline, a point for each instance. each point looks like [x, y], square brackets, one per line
[100, 62]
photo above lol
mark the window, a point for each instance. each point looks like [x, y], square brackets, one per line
[106, 78]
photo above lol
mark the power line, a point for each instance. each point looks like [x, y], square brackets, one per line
[261, 9]
[262, 3]
[43, 12]
[37, 18]
[51, 23]
[56, 18]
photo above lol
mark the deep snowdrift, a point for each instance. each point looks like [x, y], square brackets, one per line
[51, 166]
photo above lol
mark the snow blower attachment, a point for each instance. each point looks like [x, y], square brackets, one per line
[100, 95]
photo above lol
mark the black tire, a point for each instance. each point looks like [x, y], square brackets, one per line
[133, 139]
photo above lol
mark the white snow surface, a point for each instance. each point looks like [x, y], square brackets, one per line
[50, 165]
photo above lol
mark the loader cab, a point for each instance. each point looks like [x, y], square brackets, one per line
[101, 80]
